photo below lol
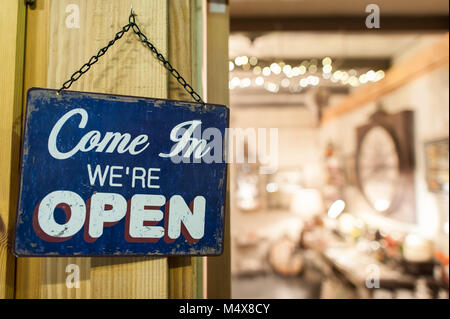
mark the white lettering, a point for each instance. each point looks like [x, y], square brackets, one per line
[100, 213]
[186, 140]
[180, 212]
[150, 177]
[97, 172]
[143, 210]
[93, 139]
[112, 176]
[76, 211]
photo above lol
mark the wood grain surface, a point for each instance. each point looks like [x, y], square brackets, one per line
[12, 42]
[54, 51]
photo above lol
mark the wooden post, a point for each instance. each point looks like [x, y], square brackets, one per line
[185, 273]
[56, 47]
[218, 269]
[12, 41]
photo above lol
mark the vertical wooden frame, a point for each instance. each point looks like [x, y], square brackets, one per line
[185, 273]
[12, 42]
[217, 27]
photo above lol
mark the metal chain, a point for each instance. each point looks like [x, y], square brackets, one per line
[132, 25]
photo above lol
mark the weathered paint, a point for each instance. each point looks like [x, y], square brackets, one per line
[42, 173]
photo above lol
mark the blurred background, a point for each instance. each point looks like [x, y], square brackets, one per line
[358, 207]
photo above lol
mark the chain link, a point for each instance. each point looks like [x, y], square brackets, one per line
[142, 37]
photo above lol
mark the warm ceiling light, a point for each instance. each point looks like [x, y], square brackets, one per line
[253, 60]
[381, 205]
[353, 81]
[266, 71]
[312, 68]
[231, 66]
[337, 75]
[371, 75]
[257, 70]
[287, 69]
[245, 83]
[336, 208]
[259, 81]
[285, 83]
[379, 75]
[235, 82]
[327, 68]
[275, 68]
[272, 87]
[303, 83]
[363, 78]
[326, 61]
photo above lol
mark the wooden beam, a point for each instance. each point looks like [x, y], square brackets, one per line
[339, 23]
[185, 273]
[218, 269]
[12, 48]
[429, 59]
[54, 51]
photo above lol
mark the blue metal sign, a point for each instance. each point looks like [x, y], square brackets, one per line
[120, 175]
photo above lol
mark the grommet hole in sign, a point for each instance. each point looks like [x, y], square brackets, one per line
[117, 175]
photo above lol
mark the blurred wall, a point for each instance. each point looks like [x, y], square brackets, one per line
[428, 97]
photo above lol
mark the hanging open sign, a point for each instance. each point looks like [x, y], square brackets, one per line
[119, 175]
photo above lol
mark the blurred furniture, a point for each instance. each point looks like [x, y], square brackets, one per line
[285, 257]
[358, 269]
[253, 236]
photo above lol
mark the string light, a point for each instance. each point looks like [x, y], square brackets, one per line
[231, 66]
[379, 75]
[244, 83]
[303, 83]
[257, 70]
[353, 81]
[312, 68]
[326, 76]
[363, 78]
[287, 70]
[275, 68]
[285, 83]
[253, 61]
[271, 87]
[326, 61]
[327, 68]
[235, 82]
[371, 75]
[241, 60]
[306, 69]
[259, 81]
